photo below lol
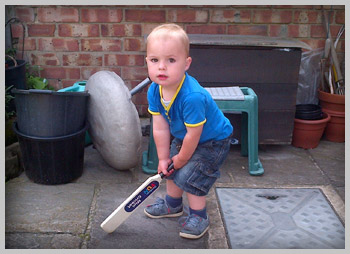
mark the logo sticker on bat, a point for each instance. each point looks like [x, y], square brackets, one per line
[140, 197]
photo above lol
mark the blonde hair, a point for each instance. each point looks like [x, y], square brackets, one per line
[171, 30]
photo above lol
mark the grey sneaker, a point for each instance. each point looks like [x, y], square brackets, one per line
[161, 209]
[194, 227]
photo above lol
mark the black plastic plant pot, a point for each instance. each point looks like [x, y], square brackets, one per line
[46, 113]
[16, 75]
[308, 112]
[52, 161]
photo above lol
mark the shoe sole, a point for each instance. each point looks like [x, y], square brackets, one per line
[190, 236]
[172, 215]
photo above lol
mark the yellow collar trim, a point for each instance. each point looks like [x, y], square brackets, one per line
[167, 108]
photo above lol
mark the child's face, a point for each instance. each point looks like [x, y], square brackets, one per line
[167, 61]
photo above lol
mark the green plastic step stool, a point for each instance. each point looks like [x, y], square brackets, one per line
[150, 156]
[228, 99]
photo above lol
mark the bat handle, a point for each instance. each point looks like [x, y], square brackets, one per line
[171, 166]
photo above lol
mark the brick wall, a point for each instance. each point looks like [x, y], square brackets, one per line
[71, 43]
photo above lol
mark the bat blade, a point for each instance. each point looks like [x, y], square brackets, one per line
[120, 214]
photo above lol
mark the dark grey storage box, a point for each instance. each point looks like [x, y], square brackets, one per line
[270, 66]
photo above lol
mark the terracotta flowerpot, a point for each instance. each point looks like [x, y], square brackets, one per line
[330, 101]
[335, 129]
[307, 133]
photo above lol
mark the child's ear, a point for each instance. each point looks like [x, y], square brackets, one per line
[188, 63]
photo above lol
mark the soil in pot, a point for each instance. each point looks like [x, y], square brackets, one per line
[308, 112]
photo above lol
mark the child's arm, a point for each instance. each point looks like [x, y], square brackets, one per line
[161, 135]
[188, 147]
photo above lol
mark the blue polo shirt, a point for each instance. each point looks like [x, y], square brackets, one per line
[191, 106]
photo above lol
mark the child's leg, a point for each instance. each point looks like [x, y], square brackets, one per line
[197, 223]
[197, 205]
[173, 190]
[196, 202]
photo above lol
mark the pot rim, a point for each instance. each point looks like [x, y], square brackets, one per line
[329, 97]
[326, 118]
[333, 112]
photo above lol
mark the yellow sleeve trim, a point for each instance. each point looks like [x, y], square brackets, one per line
[196, 124]
[153, 113]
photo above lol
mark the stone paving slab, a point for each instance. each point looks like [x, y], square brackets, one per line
[32, 207]
[138, 231]
[42, 241]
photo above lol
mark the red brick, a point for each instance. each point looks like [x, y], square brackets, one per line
[59, 14]
[140, 99]
[335, 30]
[68, 82]
[100, 45]
[58, 44]
[124, 60]
[72, 73]
[54, 83]
[206, 29]
[230, 16]
[317, 31]
[340, 17]
[134, 73]
[194, 16]
[248, 29]
[307, 16]
[143, 110]
[314, 43]
[25, 14]
[134, 44]
[278, 31]
[87, 72]
[41, 30]
[78, 30]
[101, 15]
[81, 60]
[148, 27]
[17, 30]
[44, 59]
[53, 72]
[121, 30]
[297, 31]
[272, 16]
[29, 44]
[132, 15]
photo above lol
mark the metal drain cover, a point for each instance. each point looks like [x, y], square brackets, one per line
[280, 219]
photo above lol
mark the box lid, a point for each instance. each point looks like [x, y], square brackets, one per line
[246, 40]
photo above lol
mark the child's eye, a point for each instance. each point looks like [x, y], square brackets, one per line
[172, 60]
[154, 60]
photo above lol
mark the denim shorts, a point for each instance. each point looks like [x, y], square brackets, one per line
[202, 170]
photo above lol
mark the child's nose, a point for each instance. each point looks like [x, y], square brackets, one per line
[162, 65]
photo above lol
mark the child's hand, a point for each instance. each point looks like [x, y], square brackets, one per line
[163, 166]
[178, 162]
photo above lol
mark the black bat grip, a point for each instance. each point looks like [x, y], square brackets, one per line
[171, 166]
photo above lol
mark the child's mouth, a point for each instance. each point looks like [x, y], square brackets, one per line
[162, 77]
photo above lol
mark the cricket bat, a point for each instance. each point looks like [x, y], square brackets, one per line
[133, 202]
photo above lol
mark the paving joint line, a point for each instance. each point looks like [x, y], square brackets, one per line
[90, 217]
